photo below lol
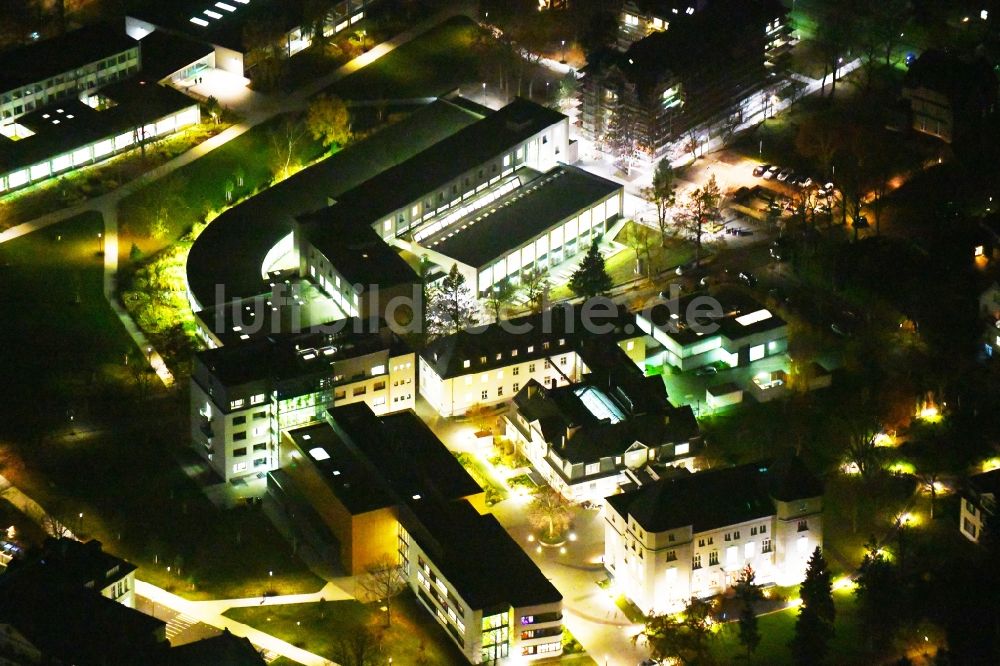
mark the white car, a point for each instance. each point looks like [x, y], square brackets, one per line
[771, 173]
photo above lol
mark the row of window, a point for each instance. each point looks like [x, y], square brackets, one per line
[483, 360]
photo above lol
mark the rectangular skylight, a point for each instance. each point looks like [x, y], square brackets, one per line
[599, 405]
[224, 6]
[319, 453]
[199, 21]
[212, 14]
[753, 317]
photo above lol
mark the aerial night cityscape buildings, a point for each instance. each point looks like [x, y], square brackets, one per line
[441, 332]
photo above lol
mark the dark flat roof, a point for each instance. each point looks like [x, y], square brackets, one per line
[477, 556]
[560, 193]
[282, 356]
[50, 57]
[734, 305]
[447, 355]
[175, 16]
[138, 103]
[443, 162]
[357, 252]
[164, 54]
[719, 497]
[244, 234]
[224, 649]
[376, 462]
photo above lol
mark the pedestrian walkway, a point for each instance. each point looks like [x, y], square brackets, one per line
[207, 612]
[265, 109]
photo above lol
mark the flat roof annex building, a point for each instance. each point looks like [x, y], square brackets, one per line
[387, 488]
[243, 395]
[241, 32]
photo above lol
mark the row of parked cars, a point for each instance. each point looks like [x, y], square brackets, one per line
[782, 175]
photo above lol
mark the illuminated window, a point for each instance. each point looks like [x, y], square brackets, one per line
[681, 449]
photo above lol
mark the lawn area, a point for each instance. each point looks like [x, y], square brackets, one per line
[777, 629]
[432, 64]
[116, 462]
[192, 192]
[65, 347]
[414, 637]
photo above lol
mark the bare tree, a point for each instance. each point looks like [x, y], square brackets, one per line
[53, 527]
[382, 580]
[662, 192]
[701, 208]
[285, 139]
[549, 512]
[357, 646]
[535, 285]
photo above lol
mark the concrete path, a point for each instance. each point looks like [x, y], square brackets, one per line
[211, 616]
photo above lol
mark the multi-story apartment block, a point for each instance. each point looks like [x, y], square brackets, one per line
[387, 488]
[712, 67]
[583, 437]
[243, 395]
[491, 364]
[979, 499]
[640, 18]
[72, 66]
[690, 535]
[740, 332]
[75, 564]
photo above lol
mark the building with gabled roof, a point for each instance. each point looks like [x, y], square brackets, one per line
[488, 365]
[689, 535]
[583, 437]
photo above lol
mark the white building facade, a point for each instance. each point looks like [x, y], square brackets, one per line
[661, 565]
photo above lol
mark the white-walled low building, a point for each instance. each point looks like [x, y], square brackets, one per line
[739, 332]
[690, 535]
[544, 221]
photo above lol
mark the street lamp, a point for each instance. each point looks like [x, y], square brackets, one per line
[100, 242]
[563, 61]
[484, 93]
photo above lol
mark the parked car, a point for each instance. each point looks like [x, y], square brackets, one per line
[759, 170]
[706, 371]
[771, 172]
[803, 181]
[748, 279]
[779, 250]
[828, 187]
[785, 174]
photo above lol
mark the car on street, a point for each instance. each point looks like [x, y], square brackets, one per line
[785, 174]
[779, 250]
[706, 371]
[771, 172]
[747, 278]
[803, 181]
[759, 170]
[828, 188]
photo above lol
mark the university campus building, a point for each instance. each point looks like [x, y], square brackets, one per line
[76, 99]
[979, 502]
[372, 489]
[490, 366]
[689, 535]
[243, 395]
[641, 18]
[585, 438]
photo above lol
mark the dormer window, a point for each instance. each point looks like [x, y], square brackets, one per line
[466, 363]
[482, 360]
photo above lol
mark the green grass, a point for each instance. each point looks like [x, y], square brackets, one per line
[414, 637]
[60, 341]
[778, 628]
[200, 187]
[432, 64]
